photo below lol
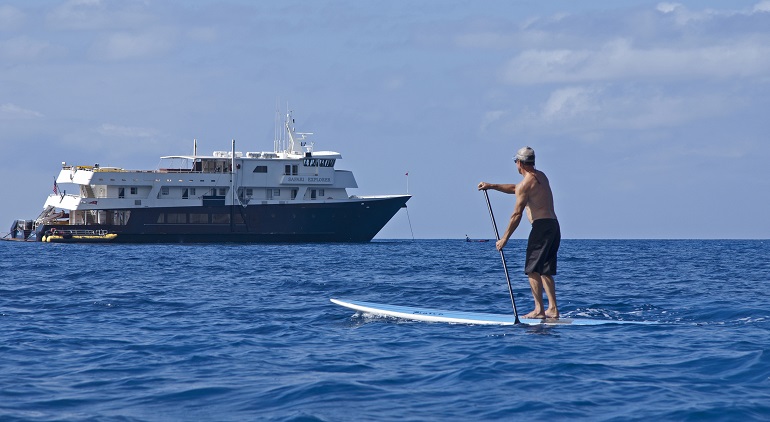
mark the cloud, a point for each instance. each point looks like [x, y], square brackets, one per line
[762, 7]
[118, 131]
[667, 7]
[128, 46]
[491, 117]
[98, 15]
[685, 16]
[27, 49]
[114, 143]
[619, 59]
[570, 102]
[588, 110]
[79, 14]
[203, 34]
[10, 111]
[11, 18]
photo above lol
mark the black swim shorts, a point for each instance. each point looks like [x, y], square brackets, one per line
[542, 247]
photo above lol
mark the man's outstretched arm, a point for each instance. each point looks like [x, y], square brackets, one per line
[505, 188]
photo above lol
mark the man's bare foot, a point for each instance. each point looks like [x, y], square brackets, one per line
[535, 315]
[552, 313]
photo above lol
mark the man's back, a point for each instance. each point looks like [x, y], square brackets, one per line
[539, 195]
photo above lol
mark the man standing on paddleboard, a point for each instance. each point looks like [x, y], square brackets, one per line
[534, 195]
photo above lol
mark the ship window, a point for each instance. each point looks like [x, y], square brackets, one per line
[260, 169]
[164, 190]
[176, 218]
[185, 194]
[121, 192]
[199, 218]
[133, 190]
[192, 191]
[220, 218]
[222, 191]
[318, 162]
[249, 192]
[295, 170]
[137, 202]
[312, 194]
[321, 192]
[161, 218]
[294, 193]
[286, 170]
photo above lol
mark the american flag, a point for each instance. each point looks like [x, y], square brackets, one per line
[55, 187]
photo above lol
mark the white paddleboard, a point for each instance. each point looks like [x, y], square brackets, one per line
[459, 317]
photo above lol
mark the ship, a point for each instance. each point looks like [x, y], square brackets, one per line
[288, 195]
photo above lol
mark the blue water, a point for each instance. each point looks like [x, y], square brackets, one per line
[247, 332]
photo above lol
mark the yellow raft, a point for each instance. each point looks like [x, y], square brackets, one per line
[64, 237]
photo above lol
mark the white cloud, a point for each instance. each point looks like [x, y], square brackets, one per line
[79, 14]
[491, 117]
[10, 111]
[619, 60]
[118, 131]
[586, 111]
[204, 34]
[762, 7]
[128, 46]
[667, 7]
[115, 144]
[394, 83]
[485, 39]
[684, 16]
[571, 102]
[97, 14]
[26, 49]
[11, 18]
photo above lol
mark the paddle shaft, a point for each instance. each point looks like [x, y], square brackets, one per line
[502, 256]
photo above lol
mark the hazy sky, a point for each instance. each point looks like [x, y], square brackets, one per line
[650, 118]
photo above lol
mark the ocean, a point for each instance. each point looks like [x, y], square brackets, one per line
[179, 332]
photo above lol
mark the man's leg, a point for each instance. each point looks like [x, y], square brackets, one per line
[550, 291]
[536, 285]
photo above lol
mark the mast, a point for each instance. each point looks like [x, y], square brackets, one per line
[290, 132]
[294, 145]
[232, 175]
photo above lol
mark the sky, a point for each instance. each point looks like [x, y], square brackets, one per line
[649, 118]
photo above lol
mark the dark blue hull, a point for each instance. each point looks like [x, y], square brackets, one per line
[350, 221]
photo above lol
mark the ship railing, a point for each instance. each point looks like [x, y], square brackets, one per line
[81, 232]
[160, 170]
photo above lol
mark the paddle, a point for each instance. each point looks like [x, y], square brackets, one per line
[502, 256]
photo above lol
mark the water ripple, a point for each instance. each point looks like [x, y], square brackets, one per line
[246, 332]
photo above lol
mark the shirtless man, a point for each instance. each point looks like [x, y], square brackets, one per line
[534, 194]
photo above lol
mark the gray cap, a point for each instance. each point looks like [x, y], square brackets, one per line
[526, 155]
